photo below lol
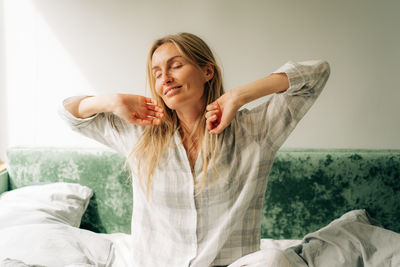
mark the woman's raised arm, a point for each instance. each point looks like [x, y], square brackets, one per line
[294, 88]
[134, 109]
[222, 111]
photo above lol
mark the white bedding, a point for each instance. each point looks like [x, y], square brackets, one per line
[278, 244]
[122, 249]
[39, 221]
[269, 255]
[54, 245]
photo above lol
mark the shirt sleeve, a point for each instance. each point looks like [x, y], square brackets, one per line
[106, 128]
[274, 120]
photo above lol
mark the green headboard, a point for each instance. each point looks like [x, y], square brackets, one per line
[110, 208]
[306, 190]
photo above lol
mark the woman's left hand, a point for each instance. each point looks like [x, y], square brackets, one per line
[221, 112]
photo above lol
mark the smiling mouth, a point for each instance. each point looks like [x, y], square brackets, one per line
[171, 90]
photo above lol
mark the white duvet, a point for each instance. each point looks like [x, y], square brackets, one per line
[38, 227]
[270, 254]
[57, 245]
[122, 249]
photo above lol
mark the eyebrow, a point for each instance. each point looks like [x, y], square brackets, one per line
[169, 60]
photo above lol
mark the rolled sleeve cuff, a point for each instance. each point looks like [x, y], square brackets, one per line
[73, 121]
[297, 78]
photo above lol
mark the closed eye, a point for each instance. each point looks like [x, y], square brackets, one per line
[177, 66]
[157, 74]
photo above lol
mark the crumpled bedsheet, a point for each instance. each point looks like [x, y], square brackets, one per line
[355, 240]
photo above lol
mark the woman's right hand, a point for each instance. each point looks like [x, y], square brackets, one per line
[136, 109]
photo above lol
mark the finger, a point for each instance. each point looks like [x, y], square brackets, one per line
[155, 121]
[155, 108]
[155, 114]
[151, 101]
[209, 125]
[212, 106]
[140, 120]
[209, 114]
[160, 115]
[148, 121]
[218, 129]
[213, 118]
[212, 122]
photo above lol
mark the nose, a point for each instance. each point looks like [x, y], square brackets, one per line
[166, 78]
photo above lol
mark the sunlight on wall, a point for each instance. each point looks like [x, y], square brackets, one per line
[56, 49]
[3, 102]
[36, 87]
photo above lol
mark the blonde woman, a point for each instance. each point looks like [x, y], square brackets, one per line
[199, 164]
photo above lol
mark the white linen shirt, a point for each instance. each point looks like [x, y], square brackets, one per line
[175, 228]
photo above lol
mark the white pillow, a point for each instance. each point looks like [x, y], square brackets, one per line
[55, 245]
[61, 202]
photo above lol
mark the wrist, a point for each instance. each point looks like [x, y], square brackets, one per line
[274, 83]
[114, 102]
[239, 96]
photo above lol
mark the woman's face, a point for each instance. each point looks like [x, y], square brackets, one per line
[179, 83]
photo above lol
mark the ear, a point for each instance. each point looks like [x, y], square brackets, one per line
[208, 71]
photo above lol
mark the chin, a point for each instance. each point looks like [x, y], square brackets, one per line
[171, 106]
[181, 102]
[173, 103]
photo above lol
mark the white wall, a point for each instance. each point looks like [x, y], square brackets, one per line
[3, 96]
[60, 48]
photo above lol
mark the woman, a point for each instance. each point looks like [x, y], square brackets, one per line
[199, 165]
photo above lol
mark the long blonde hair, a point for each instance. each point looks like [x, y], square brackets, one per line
[156, 139]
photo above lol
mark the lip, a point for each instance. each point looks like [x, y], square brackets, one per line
[166, 91]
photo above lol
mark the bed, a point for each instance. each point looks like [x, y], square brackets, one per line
[322, 208]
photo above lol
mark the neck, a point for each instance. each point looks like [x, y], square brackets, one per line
[189, 116]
